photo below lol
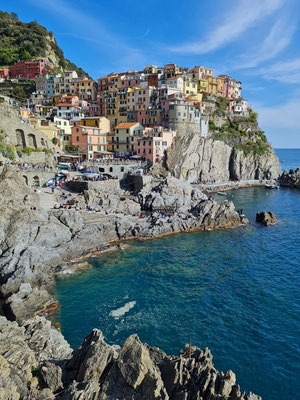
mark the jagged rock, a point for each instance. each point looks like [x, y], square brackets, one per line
[46, 342]
[50, 376]
[291, 178]
[91, 359]
[26, 302]
[171, 194]
[20, 358]
[266, 218]
[98, 371]
[8, 391]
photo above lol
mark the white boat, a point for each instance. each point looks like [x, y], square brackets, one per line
[222, 194]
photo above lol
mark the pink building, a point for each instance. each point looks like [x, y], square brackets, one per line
[129, 81]
[4, 73]
[238, 107]
[153, 144]
[232, 88]
[28, 69]
[91, 140]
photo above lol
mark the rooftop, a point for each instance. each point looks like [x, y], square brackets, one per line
[125, 125]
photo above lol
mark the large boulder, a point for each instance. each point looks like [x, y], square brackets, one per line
[266, 218]
[170, 194]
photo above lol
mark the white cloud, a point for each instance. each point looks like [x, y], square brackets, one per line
[286, 72]
[278, 39]
[244, 15]
[280, 124]
[86, 26]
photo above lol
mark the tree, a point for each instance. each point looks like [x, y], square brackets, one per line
[25, 55]
[54, 140]
[14, 16]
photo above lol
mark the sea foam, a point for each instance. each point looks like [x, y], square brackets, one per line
[122, 310]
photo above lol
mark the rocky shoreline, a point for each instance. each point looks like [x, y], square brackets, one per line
[35, 360]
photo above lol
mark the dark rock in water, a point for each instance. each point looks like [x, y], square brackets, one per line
[266, 218]
[291, 178]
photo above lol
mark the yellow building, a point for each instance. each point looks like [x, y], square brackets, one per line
[221, 88]
[202, 86]
[190, 85]
[212, 84]
[48, 128]
[96, 122]
[87, 89]
[64, 127]
[123, 139]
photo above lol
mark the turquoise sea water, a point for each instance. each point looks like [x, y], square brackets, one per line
[235, 291]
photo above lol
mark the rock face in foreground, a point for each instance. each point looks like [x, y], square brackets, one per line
[36, 362]
[266, 218]
[291, 178]
[192, 158]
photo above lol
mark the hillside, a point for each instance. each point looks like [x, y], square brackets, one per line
[23, 41]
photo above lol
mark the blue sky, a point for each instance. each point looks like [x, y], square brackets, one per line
[255, 41]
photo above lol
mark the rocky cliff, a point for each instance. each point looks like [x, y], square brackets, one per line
[197, 159]
[34, 243]
[22, 41]
[236, 149]
[37, 363]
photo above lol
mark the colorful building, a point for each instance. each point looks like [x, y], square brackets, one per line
[90, 135]
[238, 107]
[232, 88]
[153, 144]
[28, 69]
[122, 141]
[4, 73]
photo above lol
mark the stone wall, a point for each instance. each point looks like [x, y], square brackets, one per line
[22, 135]
[109, 186]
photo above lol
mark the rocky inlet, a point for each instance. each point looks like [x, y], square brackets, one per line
[35, 360]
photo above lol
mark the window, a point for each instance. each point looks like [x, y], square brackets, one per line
[179, 113]
[77, 129]
[149, 151]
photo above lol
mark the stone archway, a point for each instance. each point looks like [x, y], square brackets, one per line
[32, 140]
[21, 143]
[26, 179]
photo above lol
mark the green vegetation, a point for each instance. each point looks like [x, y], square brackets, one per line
[54, 140]
[252, 115]
[234, 135]
[35, 370]
[72, 149]
[23, 41]
[7, 151]
[19, 90]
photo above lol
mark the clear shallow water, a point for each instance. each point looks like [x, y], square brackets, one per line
[234, 291]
